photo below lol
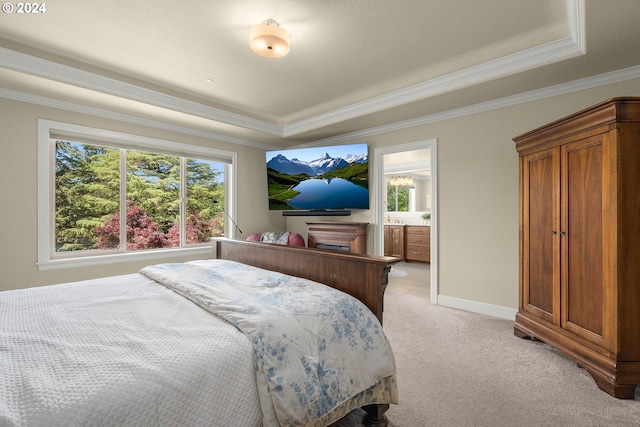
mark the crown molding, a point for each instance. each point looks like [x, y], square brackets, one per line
[535, 95]
[62, 73]
[530, 58]
[575, 21]
[127, 118]
[520, 61]
[564, 48]
[550, 52]
[575, 86]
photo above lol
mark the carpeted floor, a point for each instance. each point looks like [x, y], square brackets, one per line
[457, 368]
[410, 278]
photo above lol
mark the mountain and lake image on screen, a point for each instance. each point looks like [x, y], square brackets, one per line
[319, 178]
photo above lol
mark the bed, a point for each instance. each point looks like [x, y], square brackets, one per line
[247, 338]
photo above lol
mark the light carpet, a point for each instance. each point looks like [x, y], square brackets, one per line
[457, 368]
[396, 272]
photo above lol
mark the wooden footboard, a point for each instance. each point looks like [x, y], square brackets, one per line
[363, 276]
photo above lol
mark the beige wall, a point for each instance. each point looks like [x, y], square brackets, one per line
[477, 191]
[18, 192]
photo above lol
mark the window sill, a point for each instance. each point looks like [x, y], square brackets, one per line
[59, 264]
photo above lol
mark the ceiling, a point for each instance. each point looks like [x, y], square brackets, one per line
[416, 163]
[353, 65]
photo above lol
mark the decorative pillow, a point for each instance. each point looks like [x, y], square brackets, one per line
[278, 237]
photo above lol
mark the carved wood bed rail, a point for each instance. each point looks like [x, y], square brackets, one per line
[362, 276]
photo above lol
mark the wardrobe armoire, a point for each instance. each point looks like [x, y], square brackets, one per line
[580, 240]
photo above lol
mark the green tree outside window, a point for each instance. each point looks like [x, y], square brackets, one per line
[87, 197]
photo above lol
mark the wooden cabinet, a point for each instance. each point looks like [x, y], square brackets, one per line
[409, 242]
[338, 236]
[417, 239]
[580, 240]
[394, 240]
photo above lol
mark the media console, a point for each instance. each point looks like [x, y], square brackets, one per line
[338, 236]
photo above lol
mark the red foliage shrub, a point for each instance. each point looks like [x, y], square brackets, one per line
[142, 231]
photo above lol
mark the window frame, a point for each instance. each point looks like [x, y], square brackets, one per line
[411, 197]
[48, 129]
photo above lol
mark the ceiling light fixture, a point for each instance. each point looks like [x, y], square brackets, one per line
[269, 39]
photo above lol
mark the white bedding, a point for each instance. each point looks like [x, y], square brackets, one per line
[127, 351]
[316, 346]
[123, 351]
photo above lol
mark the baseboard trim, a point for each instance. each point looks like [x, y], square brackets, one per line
[478, 307]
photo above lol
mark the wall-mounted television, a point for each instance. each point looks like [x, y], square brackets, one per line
[319, 180]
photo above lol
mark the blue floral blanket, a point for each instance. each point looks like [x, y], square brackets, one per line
[316, 346]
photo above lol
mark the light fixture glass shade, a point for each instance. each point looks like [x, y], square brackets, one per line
[269, 39]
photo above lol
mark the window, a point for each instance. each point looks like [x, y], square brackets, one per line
[171, 196]
[400, 199]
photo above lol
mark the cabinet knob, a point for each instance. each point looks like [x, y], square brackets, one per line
[554, 232]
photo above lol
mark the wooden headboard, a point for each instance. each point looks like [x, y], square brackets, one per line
[362, 276]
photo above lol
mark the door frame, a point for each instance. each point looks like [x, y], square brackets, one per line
[379, 196]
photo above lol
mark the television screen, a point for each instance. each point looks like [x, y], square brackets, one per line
[319, 178]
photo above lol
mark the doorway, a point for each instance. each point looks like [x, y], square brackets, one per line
[380, 196]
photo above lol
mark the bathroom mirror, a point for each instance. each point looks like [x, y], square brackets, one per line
[408, 179]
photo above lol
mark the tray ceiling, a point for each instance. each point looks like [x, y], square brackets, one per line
[353, 65]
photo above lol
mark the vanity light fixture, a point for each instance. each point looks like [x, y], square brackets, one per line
[269, 39]
[402, 181]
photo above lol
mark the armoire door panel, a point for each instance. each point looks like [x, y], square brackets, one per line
[540, 202]
[581, 238]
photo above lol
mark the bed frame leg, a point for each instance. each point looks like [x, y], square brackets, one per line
[375, 415]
